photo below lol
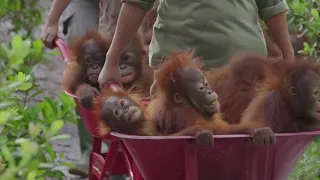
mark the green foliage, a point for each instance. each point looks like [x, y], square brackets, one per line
[24, 15]
[309, 166]
[304, 18]
[26, 131]
[20, 56]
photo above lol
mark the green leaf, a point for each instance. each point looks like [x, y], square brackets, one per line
[32, 175]
[34, 130]
[34, 165]
[56, 126]
[11, 77]
[8, 156]
[51, 152]
[61, 137]
[5, 48]
[48, 113]
[16, 42]
[27, 78]
[20, 77]
[37, 45]
[29, 147]
[56, 173]
[25, 86]
[52, 104]
[10, 86]
[3, 140]
[4, 117]
[315, 13]
[24, 50]
[71, 165]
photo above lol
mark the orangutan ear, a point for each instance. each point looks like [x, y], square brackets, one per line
[177, 98]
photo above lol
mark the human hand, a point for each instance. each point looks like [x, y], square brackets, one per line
[288, 55]
[48, 34]
[110, 72]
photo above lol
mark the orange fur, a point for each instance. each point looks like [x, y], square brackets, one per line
[74, 74]
[236, 83]
[268, 108]
[181, 119]
[144, 78]
[76, 45]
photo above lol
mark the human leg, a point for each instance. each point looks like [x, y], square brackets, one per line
[109, 12]
[85, 17]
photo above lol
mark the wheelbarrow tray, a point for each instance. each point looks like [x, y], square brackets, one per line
[233, 157]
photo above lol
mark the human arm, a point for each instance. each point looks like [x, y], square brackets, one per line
[51, 27]
[130, 17]
[273, 12]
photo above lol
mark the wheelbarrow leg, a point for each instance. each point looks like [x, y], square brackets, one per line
[110, 158]
[96, 148]
[191, 163]
[132, 167]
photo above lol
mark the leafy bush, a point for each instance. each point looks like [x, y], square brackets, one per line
[24, 15]
[304, 18]
[26, 131]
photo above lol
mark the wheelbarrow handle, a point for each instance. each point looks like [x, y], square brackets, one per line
[58, 42]
[114, 87]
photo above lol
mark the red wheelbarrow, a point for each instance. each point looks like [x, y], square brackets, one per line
[233, 157]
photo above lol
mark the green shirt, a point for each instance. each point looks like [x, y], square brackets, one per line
[216, 29]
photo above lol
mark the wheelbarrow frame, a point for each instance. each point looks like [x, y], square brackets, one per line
[103, 165]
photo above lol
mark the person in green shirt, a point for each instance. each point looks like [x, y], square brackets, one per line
[215, 29]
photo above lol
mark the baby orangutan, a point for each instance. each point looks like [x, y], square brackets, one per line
[137, 75]
[120, 112]
[81, 76]
[236, 83]
[289, 104]
[184, 103]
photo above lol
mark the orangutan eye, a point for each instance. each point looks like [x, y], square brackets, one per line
[127, 59]
[116, 112]
[122, 103]
[316, 93]
[201, 88]
[293, 90]
[88, 60]
[206, 84]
